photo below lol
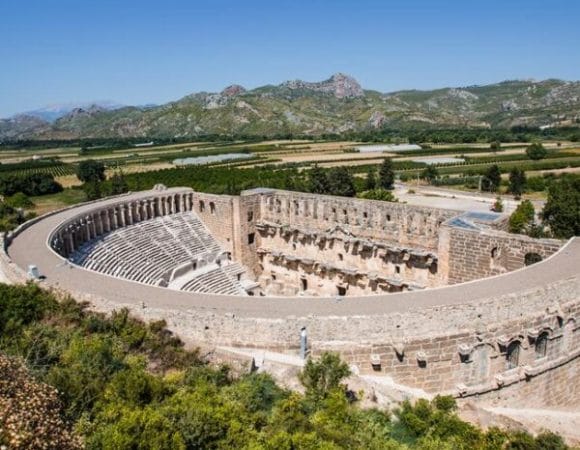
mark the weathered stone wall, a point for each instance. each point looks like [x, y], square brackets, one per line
[246, 214]
[459, 350]
[471, 254]
[218, 215]
[342, 246]
[396, 223]
[314, 263]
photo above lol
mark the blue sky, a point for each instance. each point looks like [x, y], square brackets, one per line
[137, 52]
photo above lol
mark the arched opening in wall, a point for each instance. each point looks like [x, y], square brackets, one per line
[177, 203]
[201, 206]
[341, 291]
[497, 259]
[532, 258]
[512, 355]
[479, 360]
[250, 216]
[541, 345]
[194, 265]
[388, 217]
[296, 208]
[278, 206]
[212, 207]
[303, 284]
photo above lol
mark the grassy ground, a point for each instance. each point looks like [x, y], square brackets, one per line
[47, 203]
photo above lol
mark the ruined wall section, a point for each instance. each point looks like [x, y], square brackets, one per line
[470, 254]
[247, 213]
[217, 214]
[325, 246]
[296, 261]
[529, 361]
[396, 223]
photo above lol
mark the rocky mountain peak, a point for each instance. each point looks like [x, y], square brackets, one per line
[233, 90]
[339, 84]
[85, 112]
[344, 86]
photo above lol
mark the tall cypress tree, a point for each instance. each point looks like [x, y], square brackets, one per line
[386, 174]
[371, 180]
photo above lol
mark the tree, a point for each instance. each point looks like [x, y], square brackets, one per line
[430, 173]
[323, 376]
[491, 179]
[495, 146]
[522, 219]
[318, 181]
[371, 180]
[340, 182]
[498, 205]
[378, 194]
[386, 174]
[91, 171]
[517, 182]
[536, 151]
[19, 200]
[92, 190]
[118, 184]
[562, 210]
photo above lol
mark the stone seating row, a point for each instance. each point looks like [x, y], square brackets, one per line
[148, 251]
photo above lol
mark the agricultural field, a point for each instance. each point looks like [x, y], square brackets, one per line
[274, 162]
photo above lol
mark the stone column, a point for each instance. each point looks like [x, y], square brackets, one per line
[129, 214]
[70, 243]
[139, 211]
[114, 223]
[107, 220]
[97, 220]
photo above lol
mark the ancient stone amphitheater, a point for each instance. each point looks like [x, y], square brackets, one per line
[441, 300]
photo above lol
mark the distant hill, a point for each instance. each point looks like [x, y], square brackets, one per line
[53, 112]
[335, 105]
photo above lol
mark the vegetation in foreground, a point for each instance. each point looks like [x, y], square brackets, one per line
[71, 378]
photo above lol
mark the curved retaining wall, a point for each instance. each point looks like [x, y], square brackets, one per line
[457, 339]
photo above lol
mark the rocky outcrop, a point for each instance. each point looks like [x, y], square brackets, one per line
[233, 90]
[339, 85]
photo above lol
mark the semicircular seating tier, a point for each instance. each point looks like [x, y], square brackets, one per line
[175, 251]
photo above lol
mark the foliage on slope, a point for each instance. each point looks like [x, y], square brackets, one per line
[124, 384]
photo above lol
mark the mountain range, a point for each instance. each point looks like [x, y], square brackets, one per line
[335, 105]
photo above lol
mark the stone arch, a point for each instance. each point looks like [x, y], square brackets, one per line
[532, 258]
[480, 360]
[512, 354]
[497, 258]
[541, 344]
